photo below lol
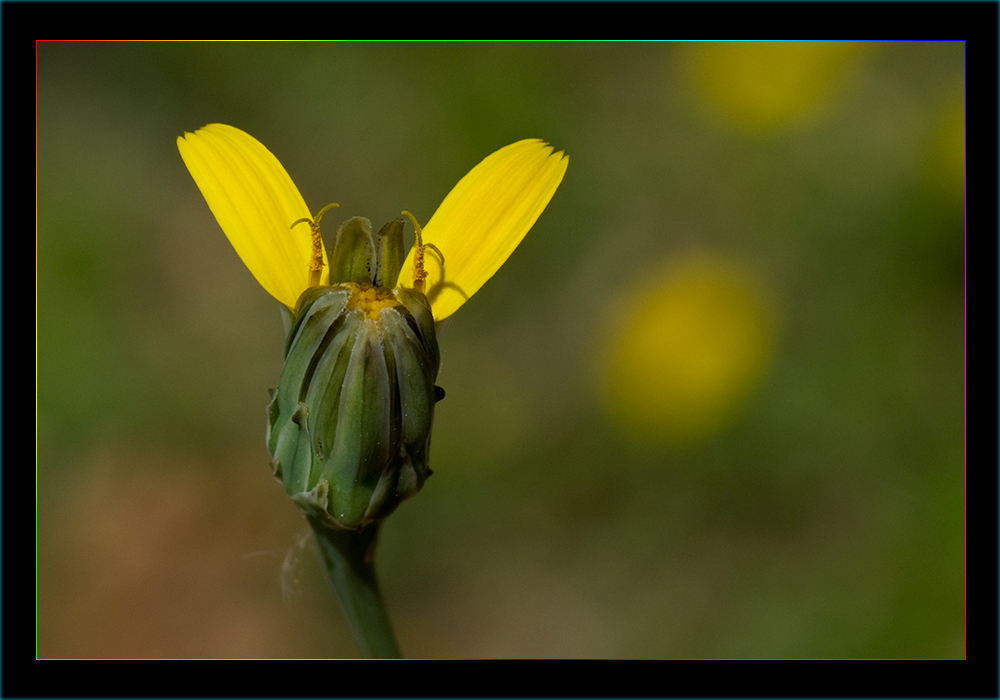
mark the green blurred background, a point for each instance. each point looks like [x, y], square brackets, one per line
[713, 406]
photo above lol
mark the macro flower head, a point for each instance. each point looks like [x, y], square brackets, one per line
[349, 424]
[469, 237]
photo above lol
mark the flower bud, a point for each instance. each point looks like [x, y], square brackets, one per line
[349, 424]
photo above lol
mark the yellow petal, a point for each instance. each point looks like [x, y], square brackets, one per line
[255, 202]
[483, 219]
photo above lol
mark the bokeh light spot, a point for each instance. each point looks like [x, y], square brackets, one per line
[694, 342]
[762, 86]
[948, 160]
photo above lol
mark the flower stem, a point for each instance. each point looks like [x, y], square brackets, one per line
[349, 560]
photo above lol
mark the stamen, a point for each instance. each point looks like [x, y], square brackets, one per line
[419, 273]
[316, 256]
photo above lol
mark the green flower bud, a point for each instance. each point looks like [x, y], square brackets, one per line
[350, 422]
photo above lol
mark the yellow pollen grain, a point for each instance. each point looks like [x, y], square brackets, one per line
[370, 299]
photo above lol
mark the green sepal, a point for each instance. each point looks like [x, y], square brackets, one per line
[353, 251]
[389, 254]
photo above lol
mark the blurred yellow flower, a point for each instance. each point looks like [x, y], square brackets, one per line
[467, 240]
[695, 342]
[947, 162]
[758, 86]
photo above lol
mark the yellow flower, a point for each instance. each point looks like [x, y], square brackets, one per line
[471, 235]
[683, 360]
[763, 86]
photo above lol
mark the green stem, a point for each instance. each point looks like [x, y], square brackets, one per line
[349, 559]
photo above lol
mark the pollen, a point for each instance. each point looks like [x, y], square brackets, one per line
[316, 254]
[370, 299]
[419, 273]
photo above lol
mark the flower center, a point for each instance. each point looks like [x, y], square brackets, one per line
[370, 299]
